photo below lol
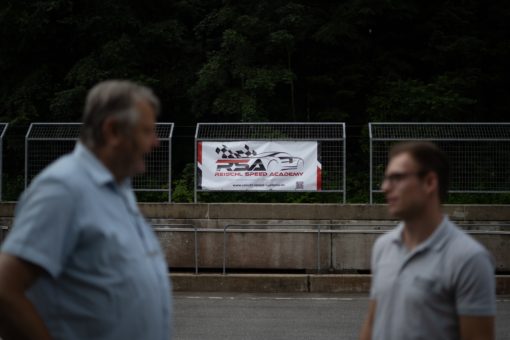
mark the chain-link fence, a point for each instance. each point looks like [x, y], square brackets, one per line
[45, 142]
[329, 137]
[479, 153]
[3, 128]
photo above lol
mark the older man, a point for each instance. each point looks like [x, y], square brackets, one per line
[80, 261]
[430, 279]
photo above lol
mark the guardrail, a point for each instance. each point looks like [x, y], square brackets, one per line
[319, 229]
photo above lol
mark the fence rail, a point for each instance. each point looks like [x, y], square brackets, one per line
[479, 153]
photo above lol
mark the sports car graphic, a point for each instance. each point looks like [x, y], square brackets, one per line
[250, 160]
[280, 161]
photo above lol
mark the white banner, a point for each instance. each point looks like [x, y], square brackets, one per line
[259, 166]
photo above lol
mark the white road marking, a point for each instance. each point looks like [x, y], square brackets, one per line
[282, 298]
[267, 298]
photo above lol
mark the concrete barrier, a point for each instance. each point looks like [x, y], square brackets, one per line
[284, 236]
[285, 283]
[352, 251]
[498, 244]
[296, 250]
[246, 283]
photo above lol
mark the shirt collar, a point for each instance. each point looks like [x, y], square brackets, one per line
[102, 176]
[434, 241]
[396, 234]
[96, 169]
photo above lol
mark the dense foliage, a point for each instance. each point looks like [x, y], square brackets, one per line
[350, 61]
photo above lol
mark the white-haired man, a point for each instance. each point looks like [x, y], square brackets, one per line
[80, 261]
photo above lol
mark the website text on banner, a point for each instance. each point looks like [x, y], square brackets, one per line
[259, 166]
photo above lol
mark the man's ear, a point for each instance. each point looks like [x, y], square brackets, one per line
[431, 182]
[111, 131]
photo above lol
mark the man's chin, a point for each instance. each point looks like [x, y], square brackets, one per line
[394, 212]
[138, 169]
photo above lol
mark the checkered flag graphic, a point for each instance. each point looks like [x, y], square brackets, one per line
[225, 152]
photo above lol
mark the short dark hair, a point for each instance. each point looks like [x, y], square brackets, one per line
[430, 158]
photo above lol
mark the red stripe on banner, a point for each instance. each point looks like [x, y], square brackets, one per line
[199, 154]
[232, 161]
[319, 178]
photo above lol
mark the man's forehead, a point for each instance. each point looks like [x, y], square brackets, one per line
[145, 106]
[402, 162]
[147, 112]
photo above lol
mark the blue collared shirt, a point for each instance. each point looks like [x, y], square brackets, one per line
[106, 277]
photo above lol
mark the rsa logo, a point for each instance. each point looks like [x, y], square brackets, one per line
[249, 160]
[239, 165]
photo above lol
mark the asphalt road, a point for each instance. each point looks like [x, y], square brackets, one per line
[227, 316]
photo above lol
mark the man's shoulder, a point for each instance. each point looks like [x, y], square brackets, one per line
[461, 246]
[391, 235]
[66, 171]
[387, 238]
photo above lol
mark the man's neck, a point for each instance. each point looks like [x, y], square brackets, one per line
[105, 157]
[420, 228]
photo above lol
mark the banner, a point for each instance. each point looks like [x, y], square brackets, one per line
[258, 166]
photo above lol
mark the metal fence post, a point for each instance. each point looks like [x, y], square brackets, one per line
[371, 158]
[3, 128]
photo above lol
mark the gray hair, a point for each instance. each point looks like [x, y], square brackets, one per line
[116, 98]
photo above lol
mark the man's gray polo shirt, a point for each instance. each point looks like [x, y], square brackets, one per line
[106, 274]
[420, 294]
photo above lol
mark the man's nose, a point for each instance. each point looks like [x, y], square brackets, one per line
[385, 186]
[155, 141]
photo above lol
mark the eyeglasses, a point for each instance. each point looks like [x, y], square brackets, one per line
[398, 177]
